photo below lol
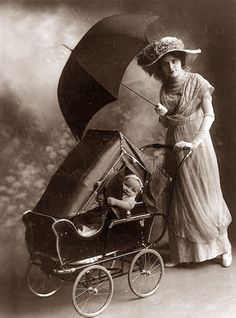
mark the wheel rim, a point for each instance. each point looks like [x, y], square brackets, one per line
[41, 284]
[92, 291]
[145, 273]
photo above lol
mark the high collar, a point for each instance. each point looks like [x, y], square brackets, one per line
[175, 85]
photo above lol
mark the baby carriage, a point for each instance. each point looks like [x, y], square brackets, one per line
[114, 245]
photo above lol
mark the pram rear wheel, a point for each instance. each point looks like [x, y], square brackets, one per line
[145, 272]
[41, 284]
[92, 291]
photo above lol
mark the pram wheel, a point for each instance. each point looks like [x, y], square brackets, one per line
[92, 291]
[145, 272]
[41, 284]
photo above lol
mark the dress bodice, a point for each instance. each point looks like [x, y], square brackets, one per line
[172, 93]
[184, 97]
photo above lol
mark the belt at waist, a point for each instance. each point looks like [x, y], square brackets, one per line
[175, 120]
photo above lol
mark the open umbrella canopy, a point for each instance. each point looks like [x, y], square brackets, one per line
[92, 75]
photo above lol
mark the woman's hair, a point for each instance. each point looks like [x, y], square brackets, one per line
[156, 69]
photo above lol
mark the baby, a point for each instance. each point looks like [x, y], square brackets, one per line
[89, 223]
[132, 185]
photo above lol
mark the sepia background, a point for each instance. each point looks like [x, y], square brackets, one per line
[34, 138]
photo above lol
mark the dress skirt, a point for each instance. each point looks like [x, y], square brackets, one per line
[199, 216]
[182, 250]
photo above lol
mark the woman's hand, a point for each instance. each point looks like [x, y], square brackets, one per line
[183, 145]
[160, 109]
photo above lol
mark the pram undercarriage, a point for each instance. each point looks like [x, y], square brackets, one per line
[93, 276]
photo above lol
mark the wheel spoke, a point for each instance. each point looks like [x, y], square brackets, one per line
[37, 281]
[145, 261]
[156, 274]
[86, 301]
[78, 295]
[102, 288]
[105, 280]
[141, 286]
[146, 280]
[139, 265]
[102, 294]
[139, 275]
[150, 268]
[52, 283]
[43, 285]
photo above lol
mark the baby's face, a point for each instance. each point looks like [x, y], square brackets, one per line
[131, 187]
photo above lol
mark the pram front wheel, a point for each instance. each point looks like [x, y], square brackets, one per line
[145, 272]
[41, 284]
[92, 291]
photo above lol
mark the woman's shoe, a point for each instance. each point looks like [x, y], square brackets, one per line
[226, 259]
[171, 264]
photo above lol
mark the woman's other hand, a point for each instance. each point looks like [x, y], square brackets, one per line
[183, 145]
[160, 109]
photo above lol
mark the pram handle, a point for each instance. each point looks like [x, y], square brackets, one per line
[170, 147]
[157, 146]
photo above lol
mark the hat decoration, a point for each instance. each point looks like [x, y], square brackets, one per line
[156, 50]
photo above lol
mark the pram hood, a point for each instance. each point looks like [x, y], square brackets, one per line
[87, 166]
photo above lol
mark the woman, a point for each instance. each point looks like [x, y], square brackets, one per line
[199, 216]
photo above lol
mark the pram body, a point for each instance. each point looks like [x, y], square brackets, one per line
[58, 251]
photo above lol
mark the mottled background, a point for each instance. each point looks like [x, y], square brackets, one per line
[34, 138]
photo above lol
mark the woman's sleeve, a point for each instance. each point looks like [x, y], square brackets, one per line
[203, 86]
[205, 89]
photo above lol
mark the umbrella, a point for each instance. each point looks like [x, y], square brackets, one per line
[92, 75]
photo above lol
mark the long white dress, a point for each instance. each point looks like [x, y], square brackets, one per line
[199, 216]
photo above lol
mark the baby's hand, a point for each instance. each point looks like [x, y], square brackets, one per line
[111, 201]
[160, 109]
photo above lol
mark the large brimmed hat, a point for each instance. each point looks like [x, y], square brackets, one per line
[154, 51]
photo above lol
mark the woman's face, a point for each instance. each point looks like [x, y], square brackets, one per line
[171, 66]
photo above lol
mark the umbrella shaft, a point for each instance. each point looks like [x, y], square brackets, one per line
[147, 100]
